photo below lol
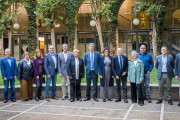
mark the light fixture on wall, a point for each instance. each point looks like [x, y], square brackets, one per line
[136, 21]
[16, 25]
[92, 23]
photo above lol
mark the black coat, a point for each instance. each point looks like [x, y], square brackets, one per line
[72, 72]
[25, 72]
[116, 66]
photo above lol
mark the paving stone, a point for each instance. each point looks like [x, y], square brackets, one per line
[6, 115]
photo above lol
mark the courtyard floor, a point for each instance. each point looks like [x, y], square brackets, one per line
[87, 110]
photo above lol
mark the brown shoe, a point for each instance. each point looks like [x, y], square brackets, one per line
[54, 97]
[47, 99]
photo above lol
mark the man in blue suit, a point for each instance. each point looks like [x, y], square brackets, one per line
[9, 74]
[165, 65]
[120, 69]
[50, 66]
[91, 61]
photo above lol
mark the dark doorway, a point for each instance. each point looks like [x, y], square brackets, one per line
[5, 41]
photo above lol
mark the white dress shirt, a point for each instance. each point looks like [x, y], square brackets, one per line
[54, 59]
[77, 68]
[65, 56]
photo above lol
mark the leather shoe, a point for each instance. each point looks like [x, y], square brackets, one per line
[79, 99]
[110, 100]
[125, 100]
[104, 100]
[55, 97]
[178, 104]
[47, 99]
[36, 99]
[40, 98]
[141, 104]
[170, 102]
[86, 99]
[63, 97]
[5, 101]
[96, 99]
[13, 100]
[159, 101]
[118, 100]
[149, 100]
[133, 101]
[71, 100]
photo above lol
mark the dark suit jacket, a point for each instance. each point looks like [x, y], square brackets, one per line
[116, 66]
[49, 65]
[87, 62]
[36, 70]
[71, 71]
[177, 65]
[170, 66]
[6, 70]
[102, 72]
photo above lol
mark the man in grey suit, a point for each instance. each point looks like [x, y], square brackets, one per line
[62, 66]
[177, 71]
[165, 65]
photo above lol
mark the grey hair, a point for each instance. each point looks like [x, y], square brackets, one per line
[64, 44]
[134, 52]
[163, 47]
[7, 49]
[91, 44]
[51, 46]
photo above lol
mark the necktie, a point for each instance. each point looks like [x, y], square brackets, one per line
[92, 63]
[121, 65]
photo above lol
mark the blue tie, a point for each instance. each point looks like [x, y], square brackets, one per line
[121, 65]
[92, 63]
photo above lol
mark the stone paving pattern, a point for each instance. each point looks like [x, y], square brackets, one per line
[87, 110]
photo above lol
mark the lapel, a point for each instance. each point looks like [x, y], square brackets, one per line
[167, 61]
[89, 56]
[160, 61]
[138, 63]
[103, 61]
[118, 61]
[63, 56]
[50, 57]
[11, 61]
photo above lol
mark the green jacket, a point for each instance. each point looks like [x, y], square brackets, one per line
[136, 72]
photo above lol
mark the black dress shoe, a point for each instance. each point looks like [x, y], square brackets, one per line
[170, 102]
[110, 100]
[149, 100]
[96, 99]
[5, 101]
[125, 100]
[71, 100]
[79, 99]
[13, 100]
[36, 99]
[159, 101]
[104, 100]
[178, 104]
[141, 103]
[118, 100]
[86, 99]
[40, 98]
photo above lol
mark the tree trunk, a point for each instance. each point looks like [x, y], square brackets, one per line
[10, 39]
[75, 41]
[117, 39]
[37, 38]
[98, 26]
[154, 40]
[53, 36]
[1, 46]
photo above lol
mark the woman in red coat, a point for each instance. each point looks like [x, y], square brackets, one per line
[39, 73]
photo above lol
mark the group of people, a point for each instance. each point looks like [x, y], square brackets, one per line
[70, 68]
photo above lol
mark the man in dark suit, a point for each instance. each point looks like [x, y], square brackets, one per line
[165, 65]
[91, 61]
[75, 70]
[50, 66]
[9, 74]
[120, 68]
[177, 71]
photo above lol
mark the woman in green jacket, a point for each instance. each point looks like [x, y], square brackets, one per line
[135, 77]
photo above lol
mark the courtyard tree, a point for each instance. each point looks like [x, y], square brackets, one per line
[156, 9]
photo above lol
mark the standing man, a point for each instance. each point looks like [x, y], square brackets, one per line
[177, 71]
[120, 69]
[165, 65]
[50, 66]
[63, 59]
[148, 67]
[91, 61]
[9, 74]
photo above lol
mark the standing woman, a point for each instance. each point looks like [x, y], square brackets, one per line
[75, 71]
[135, 77]
[106, 76]
[25, 75]
[39, 73]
